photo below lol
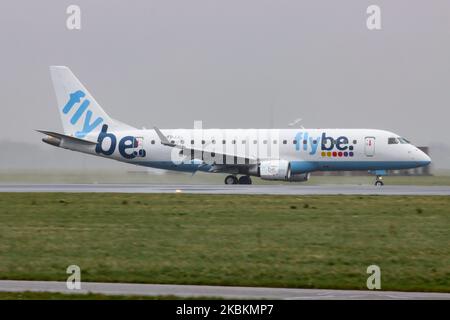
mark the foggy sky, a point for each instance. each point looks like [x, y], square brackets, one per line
[232, 64]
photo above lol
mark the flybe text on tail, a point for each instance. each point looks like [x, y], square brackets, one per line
[88, 126]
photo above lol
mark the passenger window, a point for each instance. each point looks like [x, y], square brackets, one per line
[255, 141]
[294, 142]
[224, 141]
[243, 141]
[354, 141]
[153, 141]
[265, 141]
[392, 141]
[192, 141]
[284, 141]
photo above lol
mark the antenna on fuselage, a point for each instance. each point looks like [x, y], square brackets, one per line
[295, 122]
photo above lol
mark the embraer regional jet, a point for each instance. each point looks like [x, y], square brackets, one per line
[271, 154]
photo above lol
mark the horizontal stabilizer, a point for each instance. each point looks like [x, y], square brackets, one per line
[60, 137]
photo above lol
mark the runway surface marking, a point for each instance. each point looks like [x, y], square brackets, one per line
[213, 291]
[232, 189]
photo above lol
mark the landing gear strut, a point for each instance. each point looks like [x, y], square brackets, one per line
[379, 182]
[231, 179]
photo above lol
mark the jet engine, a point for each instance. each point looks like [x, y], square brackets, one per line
[280, 170]
[300, 177]
[275, 170]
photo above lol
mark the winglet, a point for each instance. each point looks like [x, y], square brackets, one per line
[163, 138]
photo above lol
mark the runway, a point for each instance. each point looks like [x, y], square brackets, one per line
[233, 189]
[215, 291]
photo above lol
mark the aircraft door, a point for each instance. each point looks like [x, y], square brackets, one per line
[369, 146]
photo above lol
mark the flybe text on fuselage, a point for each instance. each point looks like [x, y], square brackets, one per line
[340, 146]
[125, 145]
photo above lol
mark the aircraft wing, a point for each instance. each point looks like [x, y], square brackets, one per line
[211, 156]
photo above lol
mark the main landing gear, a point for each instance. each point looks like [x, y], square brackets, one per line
[231, 179]
[379, 182]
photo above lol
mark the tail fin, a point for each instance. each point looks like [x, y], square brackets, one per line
[80, 114]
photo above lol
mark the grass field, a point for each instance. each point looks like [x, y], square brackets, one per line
[281, 241]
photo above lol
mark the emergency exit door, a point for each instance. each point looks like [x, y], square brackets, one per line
[369, 146]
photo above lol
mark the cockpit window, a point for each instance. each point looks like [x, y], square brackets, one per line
[403, 140]
[392, 141]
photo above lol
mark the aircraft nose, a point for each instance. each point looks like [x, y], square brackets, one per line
[424, 158]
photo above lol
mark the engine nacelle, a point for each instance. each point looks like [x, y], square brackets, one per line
[300, 177]
[280, 170]
[275, 170]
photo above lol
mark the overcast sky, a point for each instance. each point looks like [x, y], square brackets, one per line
[232, 64]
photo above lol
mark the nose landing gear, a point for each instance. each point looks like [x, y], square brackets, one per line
[231, 179]
[379, 176]
[379, 182]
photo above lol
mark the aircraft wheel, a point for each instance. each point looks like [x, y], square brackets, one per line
[245, 180]
[379, 183]
[231, 180]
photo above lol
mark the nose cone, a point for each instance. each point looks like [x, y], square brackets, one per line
[424, 159]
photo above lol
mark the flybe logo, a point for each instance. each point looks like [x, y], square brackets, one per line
[126, 145]
[329, 146]
[88, 123]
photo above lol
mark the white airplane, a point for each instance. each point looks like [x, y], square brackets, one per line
[272, 154]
